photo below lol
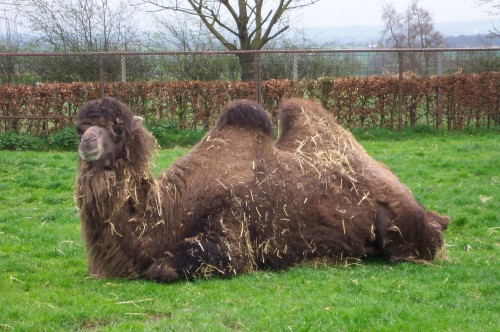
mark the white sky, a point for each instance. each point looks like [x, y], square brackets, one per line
[329, 13]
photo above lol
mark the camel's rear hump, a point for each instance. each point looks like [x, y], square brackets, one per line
[404, 230]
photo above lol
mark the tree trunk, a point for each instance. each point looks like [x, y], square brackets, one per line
[247, 65]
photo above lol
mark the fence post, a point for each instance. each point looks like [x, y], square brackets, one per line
[439, 63]
[439, 98]
[123, 63]
[295, 67]
[400, 90]
[258, 78]
[101, 74]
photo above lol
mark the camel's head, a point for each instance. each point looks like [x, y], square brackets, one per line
[436, 224]
[108, 131]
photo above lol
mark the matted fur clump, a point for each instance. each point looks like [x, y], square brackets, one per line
[238, 201]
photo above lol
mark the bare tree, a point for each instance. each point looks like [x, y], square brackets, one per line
[184, 34]
[80, 25]
[393, 31]
[9, 43]
[412, 29]
[9, 6]
[9, 13]
[493, 10]
[238, 25]
[420, 27]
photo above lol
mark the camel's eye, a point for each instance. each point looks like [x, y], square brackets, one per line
[118, 131]
[80, 129]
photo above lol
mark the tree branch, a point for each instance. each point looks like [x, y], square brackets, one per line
[246, 21]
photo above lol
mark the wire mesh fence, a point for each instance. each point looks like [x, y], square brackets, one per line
[240, 65]
[45, 89]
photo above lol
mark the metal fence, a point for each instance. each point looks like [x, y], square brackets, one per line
[30, 68]
[256, 67]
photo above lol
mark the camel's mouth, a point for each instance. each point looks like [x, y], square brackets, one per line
[92, 155]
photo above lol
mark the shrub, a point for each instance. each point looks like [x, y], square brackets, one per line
[65, 139]
[442, 102]
[169, 135]
[15, 141]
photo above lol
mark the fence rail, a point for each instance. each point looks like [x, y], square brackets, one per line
[30, 68]
[22, 74]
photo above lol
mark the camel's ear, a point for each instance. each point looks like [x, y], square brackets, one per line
[138, 119]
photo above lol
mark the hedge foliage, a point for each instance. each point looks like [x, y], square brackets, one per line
[450, 102]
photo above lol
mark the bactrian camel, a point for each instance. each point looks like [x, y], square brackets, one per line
[240, 201]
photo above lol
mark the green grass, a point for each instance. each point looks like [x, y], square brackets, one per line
[44, 284]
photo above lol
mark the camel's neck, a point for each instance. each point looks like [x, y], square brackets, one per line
[123, 221]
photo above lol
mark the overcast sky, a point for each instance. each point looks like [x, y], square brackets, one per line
[368, 12]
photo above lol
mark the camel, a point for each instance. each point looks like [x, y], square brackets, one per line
[239, 201]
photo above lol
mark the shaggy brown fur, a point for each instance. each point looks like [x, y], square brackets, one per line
[404, 230]
[237, 201]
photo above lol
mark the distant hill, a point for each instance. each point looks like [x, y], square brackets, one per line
[471, 41]
[466, 28]
[457, 34]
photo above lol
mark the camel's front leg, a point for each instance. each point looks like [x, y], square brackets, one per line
[200, 257]
[162, 270]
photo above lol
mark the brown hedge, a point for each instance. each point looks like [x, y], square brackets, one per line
[451, 102]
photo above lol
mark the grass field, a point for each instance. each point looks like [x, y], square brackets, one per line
[44, 283]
